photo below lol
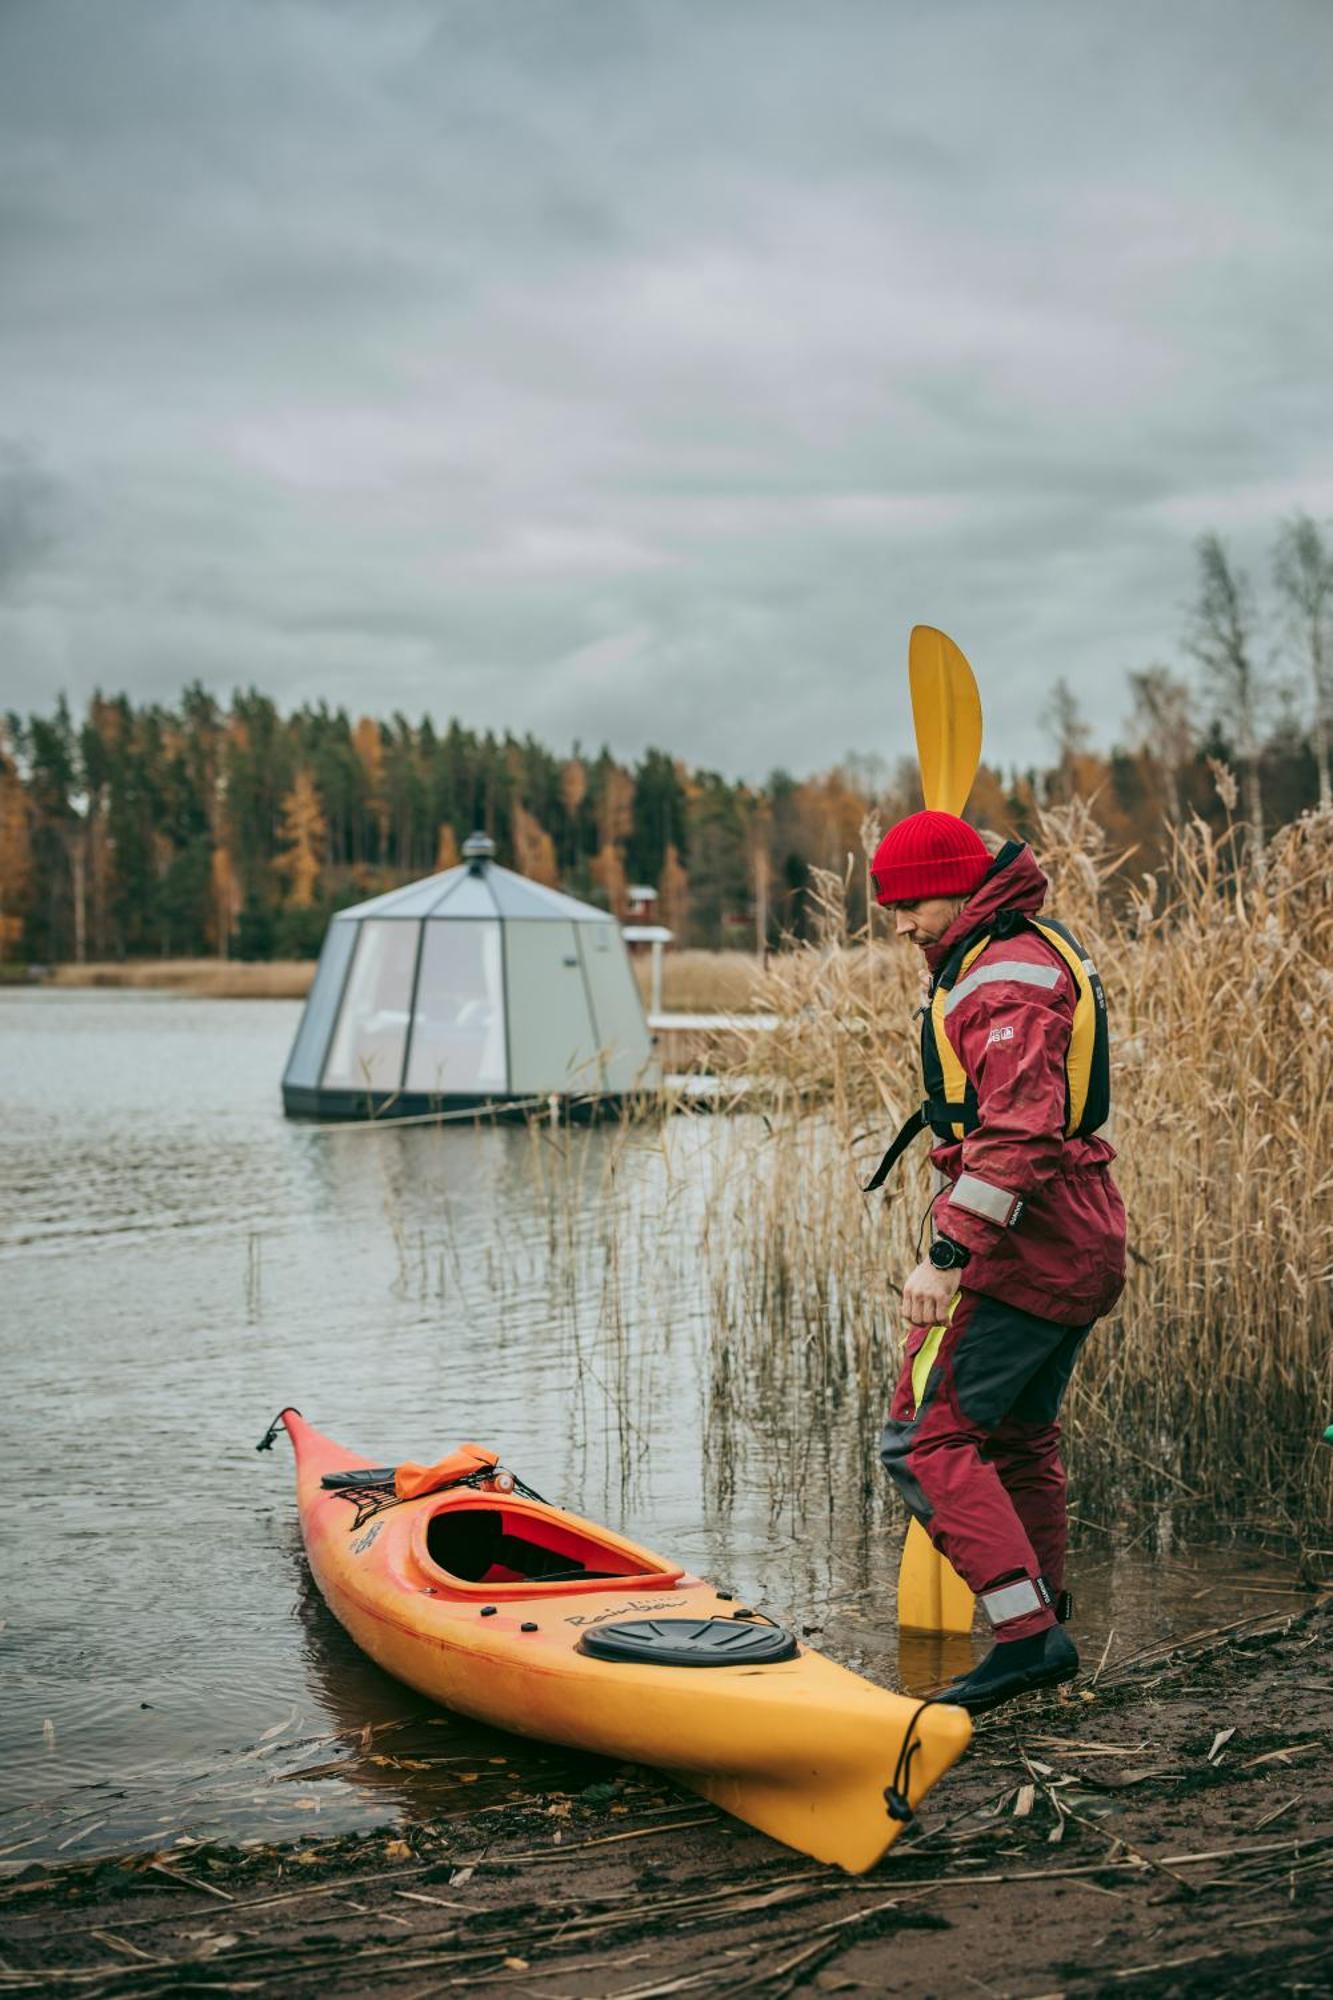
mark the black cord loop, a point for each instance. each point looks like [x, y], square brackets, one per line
[266, 1442]
[895, 1792]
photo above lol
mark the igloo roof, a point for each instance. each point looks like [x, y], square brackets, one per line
[478, 891]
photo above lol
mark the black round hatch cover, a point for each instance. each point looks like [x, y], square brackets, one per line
[689, 1642]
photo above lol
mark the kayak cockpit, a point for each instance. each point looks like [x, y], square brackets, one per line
[482, 1545]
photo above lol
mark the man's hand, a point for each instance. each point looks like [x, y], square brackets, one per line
[928, 1294]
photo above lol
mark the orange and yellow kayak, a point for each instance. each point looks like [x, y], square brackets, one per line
[503, 1607]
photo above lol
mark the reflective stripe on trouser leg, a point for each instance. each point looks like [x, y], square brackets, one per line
[1016, 1599]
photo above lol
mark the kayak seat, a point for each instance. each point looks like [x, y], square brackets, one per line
[478, 1545]
[497, 1573]
[689, 1642]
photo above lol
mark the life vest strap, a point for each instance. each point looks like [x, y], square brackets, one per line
[934, 1113]
[902, 1139]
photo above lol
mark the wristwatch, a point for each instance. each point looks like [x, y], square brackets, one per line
[946, 1255]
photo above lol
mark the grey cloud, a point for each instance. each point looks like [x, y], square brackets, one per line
[639, 371]
[33, 513]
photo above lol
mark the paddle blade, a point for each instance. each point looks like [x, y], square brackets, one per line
[946, 710]
[932, 1597]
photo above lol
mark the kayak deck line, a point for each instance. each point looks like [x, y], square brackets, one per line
[525, 1616]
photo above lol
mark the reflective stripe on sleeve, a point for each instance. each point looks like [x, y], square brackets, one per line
[1012, 1600]
[1017, 970]
[984, 1198]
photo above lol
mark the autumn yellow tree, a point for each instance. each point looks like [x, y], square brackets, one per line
[224, 900]
[673, 891]
[304, 835]
[573, 785]
[15, 859]
[988, 803]
[615, 808]
[608, 872]
[369, 746]
[534, 849]
[446, 848]
[573, 791]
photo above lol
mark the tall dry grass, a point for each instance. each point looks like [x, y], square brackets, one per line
[703, 982]
[1210, 1384]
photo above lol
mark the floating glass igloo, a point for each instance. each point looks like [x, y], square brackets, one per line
[471, 989]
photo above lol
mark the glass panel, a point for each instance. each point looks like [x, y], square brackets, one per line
[367, 1051]
[622, 1031]
[312, 1037]
[458, 1034]
[470, 897]
[415, 900]
[551, 1041]
[517, 897]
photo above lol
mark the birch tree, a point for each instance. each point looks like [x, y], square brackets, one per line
[1303, 571]
[1163, 728]
[1223, 638]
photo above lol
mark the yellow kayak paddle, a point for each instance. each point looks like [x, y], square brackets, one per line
[946, 711]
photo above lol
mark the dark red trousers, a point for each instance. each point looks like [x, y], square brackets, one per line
[978, 1458]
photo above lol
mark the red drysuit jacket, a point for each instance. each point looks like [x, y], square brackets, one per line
[1065, 1257]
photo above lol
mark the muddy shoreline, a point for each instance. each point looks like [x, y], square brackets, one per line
[1164, 1829]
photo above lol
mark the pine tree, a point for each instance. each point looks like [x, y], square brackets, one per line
[657, 818]
[615, 802]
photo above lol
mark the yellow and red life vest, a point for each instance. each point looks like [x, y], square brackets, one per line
[950, 1106]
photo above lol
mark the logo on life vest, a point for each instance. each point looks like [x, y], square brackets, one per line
[999, 1035]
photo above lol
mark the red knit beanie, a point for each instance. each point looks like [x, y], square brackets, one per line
[929, 854]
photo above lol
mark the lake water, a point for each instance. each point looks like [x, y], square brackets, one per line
[177, 1262]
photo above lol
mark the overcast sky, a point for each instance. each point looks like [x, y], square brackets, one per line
[641, 370]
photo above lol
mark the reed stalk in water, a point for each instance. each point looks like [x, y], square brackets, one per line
[1212, 1380]
[726, 1270]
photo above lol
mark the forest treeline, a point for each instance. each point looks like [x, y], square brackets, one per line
[236, 830]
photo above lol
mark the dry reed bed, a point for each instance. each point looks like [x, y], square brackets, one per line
[1212, 1381]
[703, 982]
[692, 981]
[200, 978]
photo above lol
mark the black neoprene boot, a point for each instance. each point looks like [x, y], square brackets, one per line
[1015, 1666]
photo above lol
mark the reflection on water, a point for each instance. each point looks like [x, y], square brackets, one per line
[176, 1262]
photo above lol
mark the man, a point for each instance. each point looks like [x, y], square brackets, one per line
[1028, 1233]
